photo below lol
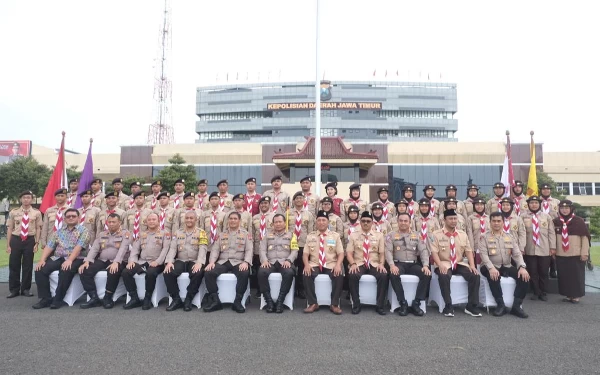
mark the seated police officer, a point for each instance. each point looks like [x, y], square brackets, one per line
[278, 250]
[403, 250]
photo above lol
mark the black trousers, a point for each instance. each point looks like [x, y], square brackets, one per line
[471, 279]
[520, 290]
[42, 277]
[287, 276]
[21, 255]
[112, 279]
[410, 269]
[336, 285]
[242, 277]
[300, 266]
[151, 275]
[538, 270]
[382, 284]
[254, 274]
[180, 267]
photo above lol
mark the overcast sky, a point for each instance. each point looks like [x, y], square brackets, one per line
[88, 67]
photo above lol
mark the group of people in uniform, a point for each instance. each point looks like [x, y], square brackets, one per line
[302, 236]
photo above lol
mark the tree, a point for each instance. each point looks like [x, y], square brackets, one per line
[131, 179]
[23, 174]
[175, 171]
[544, 178]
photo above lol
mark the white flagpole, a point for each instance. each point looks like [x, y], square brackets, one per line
[317, 111]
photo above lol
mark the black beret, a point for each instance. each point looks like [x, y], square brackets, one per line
[222, 182]
[298, 193]
[189, 194]
[332, 185]
[137, 183]
[96, 180]
[545, 186]
[179, 181]
[26, 192]
[111, 194]
[163, 194]
[86, 192]
[327, 200]
[307, 178]
[381, 189]
[139, 193]
[73, 180]
[353, 208]
[251, 179]
[499, 185]
[203, 181]
[450, 199]
[533, 198]
[376, 206]
[238, 196]
[157, 182]
[402, 201]
[265, 198]
[276, 178]
[213, 194]
[117, 180]
[424, 202]
[355, 186]
[427, 187]
[519, 183]
[449, 213]
[473, 186]
[322, 213]
[408, 187]
[60, 191]
[366, 214]
[451, 187]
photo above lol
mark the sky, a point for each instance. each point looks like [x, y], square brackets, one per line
[88, 68]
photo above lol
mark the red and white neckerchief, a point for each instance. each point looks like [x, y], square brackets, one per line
[176, 202]
[517, 205]
[25, 225]
[322, 260]
[108, 212]
[222, 203]
[263, 226]
[298, 224]
[366, 251]
[58, 222]
[354, 202]
[431, 208]
[536, 228]
[424, 221]
[275, 202]
[213, 227]
[250, 202]
[506, 226]
[498, 203]
[352, 227]
[82, 217]
[452, 249]
[482, 223]
[546, 205]
[201, 200]
[378, 224]
[305, 205]
[70, 199]
[162, 217]
[136, 224]
[94, 196]
[385, 211]
[131, 203]
[565, 231]
[153, 204]
[411, 209]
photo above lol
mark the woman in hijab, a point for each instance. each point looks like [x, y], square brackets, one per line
[572, 243]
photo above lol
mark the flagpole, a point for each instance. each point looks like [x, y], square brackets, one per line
[317, 111]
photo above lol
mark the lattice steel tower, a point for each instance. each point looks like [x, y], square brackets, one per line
[161, 131]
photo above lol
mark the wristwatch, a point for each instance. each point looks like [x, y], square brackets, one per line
[523, 266]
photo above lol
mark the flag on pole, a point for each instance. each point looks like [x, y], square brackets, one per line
[87, 175]
[508, 177]
[57, 180]
[532, 185]
[374, 72]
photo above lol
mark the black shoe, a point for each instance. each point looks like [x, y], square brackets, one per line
[27, 293]
[257, 295]
[543, 297]
[518, 311]
[237, 304]
[589, 265]
[133, 303]
[187, 303]
[415, 308]
[57, 304]
[279, 302]
[473, 311]
[93, 302]
[403, 309]
[13, 294]
[43, 303]
[147, 304]
[552, 274]
[500, 310]
[380, 310]
[107, 301]
[270, 306]
[534, 297]
[176, 303]
[356, 309]
[448, 311]
[213, 303]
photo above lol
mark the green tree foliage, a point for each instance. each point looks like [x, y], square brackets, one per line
[23, 174]
[544, 178]
[175, 171]
[130, 180]
[595, 221]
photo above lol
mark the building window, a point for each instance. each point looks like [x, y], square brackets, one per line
[582, 188]
[563, 188]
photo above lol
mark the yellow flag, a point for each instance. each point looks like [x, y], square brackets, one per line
[532, 185]
[294, 243]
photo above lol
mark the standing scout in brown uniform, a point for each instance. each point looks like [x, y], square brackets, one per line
[278, 251]
[231, 252]
[408, 193]
[98, 197]
[497, 251]
[130, 203]
[135, 218]
[147, 256]
[177, 197]
[495, 204]
[549, 206]
[54, 216]
[187, 205]
[123, 198]
[213, 218]
[519, 198]
[450, 203]
[335, 222]
[23, 229]
[261, 223]
[573, 238]
[324, 255]
[202, 195]
[425, 223]
[187, 253]
[73, 187]
[477, 224]
[402, 252]
[448, 247]
[389, 209]
[246, 217]
[279, 198]
[379, 223]
[152, 199]
[103, 257]
[472, 193]
[355, 200]
[513, 224]
[225, 199]
[429, 194]
[366, 256]
[89, 216]
[540, 243]
[311, 201]
[303, 223]
[165, 212]
[459, 206]
[110, 207]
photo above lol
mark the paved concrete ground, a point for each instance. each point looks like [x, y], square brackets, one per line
[558, 338]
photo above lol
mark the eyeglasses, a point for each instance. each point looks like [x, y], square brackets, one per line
[366, 221]
[71, 216]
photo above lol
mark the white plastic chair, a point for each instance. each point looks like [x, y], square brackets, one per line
[100, 280]
[74, 292]
[323, 288]
[183, 281]
[409, 284]
[275, 281]
[459, 291]
[160, 290]
[367, 290]
[226, 283]
[508, 285]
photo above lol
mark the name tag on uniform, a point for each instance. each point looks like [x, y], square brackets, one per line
[330, 242]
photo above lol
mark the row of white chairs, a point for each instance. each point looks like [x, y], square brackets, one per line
[367, 287]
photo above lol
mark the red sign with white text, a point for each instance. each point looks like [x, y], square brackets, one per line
[10, 150]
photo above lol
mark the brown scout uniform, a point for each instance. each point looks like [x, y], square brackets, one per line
[391, 216]
[439, 243]
[405, 247]
[492, 205]
[149, 199]
[282, 198]
[169, 217]
[48, 223]
[102, 215]
[468, 206]
[123, 201]
[277, 247]
[376, 244]
[517, 229]
[207, 216]
[234, 246]
[362, 205]
[552, 205]
[336, 224]
[333, 248]
[308, 225]
[462, 224]
[108, 245]
[174, 197]
[179, 218]
[432, 224]
[150, 247]
[521, 200]
[497, 250]
[98, 199]
[474, 230]
[188, 247]
[202, 201]
[547, 234]
[130, 219]
[348, 230]
[461, 210]
[35, 222]
[91, 221]
[578, 245]
[227, 202]
[382, 226]
[256, 229]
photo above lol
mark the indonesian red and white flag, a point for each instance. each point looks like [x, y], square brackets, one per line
[508, 177]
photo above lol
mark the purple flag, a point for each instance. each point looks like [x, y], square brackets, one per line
[86, 176]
